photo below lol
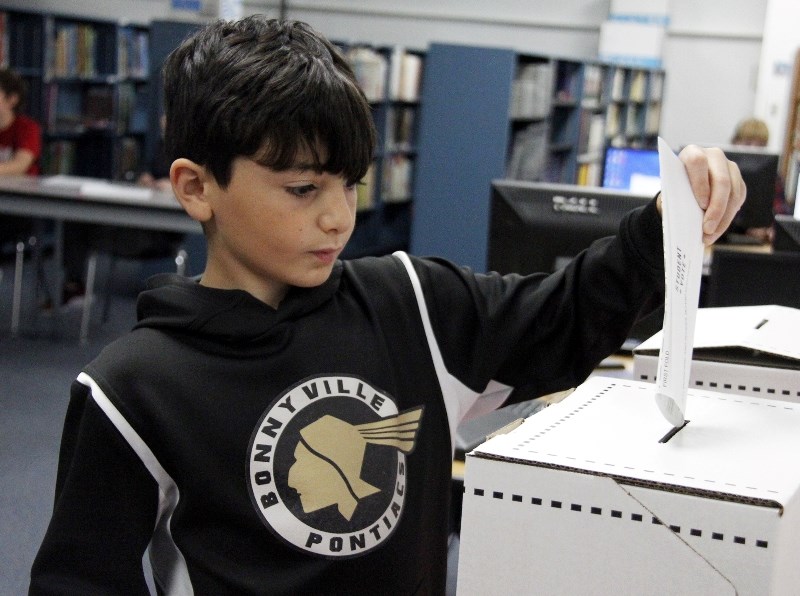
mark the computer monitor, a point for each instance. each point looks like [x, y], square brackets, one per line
[538, 227]
[787, 234]
[759, 169]
[634, 170]
[743, 278]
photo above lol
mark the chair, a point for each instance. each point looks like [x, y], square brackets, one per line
[117, 243]
[19, 236]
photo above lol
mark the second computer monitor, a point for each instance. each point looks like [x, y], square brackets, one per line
[634, 170]
[759, 168]
[787, 234]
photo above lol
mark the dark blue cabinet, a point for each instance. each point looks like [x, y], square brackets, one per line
[462, 146]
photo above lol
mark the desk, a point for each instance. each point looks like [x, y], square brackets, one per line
[60, 199]
[70, 199]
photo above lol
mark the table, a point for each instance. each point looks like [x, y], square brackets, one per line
[69, 198]
[87, 200]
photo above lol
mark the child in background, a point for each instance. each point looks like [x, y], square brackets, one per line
[285, 424]
[751, 132]
[20, 148]
[20, 135]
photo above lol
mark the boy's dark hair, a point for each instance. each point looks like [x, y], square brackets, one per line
[13, 84]
[268, 90]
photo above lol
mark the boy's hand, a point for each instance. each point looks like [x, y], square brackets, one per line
[717, 185]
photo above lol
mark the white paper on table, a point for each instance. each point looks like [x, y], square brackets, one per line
[110, 190]
[682, 221]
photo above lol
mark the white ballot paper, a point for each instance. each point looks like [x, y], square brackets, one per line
[682, 220]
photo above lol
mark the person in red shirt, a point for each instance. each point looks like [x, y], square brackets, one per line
[20, 147]
[20, 135]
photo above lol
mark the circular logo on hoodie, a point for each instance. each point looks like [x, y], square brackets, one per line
[327, 465]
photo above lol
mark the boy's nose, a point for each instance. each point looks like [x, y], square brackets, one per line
[337, 214]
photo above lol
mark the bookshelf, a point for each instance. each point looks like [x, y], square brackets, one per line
[21, 48]
[496, 113]
[564, 113]
[87, 84]
[95, 87]
[390, 77]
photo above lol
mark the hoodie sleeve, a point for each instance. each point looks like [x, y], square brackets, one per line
[104, 512]
[544, 333]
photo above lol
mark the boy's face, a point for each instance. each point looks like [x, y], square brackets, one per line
[8, 102]
[274, 229]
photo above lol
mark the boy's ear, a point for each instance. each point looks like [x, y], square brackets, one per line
[191, 184]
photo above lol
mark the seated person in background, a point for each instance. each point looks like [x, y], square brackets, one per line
[20, 136]
[20, 146]
[753, 132]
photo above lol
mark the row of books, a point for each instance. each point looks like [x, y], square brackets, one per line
[134, 53]
[405, 75]
[591, 136]
[61, 157]
[532, 158]
[20, 44]
[74, 51]
[590, 174]
[395, 76]
[638, 120]
[531, 91]
[396, 182]
[400, 129]
[538, 84]
[74, 48]
[593, 83]
[642, 86]
[75, 108]
[530, 152]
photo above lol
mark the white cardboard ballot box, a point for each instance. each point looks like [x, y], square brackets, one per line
[748, 350]
[583, 498]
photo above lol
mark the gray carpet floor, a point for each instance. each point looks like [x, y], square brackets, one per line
[36, 369]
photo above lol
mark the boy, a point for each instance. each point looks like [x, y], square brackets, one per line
[285, 425]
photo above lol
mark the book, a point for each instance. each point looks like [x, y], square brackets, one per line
[529, 152]
[369, 68]
[365, 191]
[396, 178]
[531, 91]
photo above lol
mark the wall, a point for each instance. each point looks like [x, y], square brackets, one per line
[711, 55]
[567, 28]
[781, 44]
[138, 11]
[712, 51]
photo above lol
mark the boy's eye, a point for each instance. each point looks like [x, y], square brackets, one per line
[301, 191]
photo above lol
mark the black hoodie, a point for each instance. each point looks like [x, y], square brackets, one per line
[308, 448]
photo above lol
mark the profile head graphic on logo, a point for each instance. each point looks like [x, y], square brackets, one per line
[327, 467]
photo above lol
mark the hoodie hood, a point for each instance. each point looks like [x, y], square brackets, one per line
[175, 303]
